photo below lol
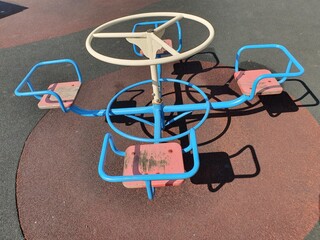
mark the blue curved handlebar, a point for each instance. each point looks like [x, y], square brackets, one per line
[108, 140]
[284, 76]
[38, 94]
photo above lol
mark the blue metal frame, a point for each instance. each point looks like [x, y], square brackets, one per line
[176, 108]
[108, 140]
[283, 76]
[158, 111]
[39, 94]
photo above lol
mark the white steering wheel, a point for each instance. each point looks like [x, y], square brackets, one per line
[150, 41]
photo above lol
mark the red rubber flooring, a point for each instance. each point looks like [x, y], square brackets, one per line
[262, 184]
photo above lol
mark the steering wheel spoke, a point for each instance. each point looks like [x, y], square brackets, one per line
[121, 35]
[168, 24]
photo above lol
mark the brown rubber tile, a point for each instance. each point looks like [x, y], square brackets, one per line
[263, 181]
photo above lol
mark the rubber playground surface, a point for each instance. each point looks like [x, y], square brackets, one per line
[260, 170]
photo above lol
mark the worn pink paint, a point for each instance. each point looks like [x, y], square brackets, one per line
[153, 159]
[266, 86]
[66, 90]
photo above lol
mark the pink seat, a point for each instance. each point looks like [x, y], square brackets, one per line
[266, 86]
[162, 158]
[66, 90]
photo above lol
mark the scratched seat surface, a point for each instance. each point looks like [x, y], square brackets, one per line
[66, 90]
[153, 159]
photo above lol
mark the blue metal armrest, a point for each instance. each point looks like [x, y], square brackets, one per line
[284, 75]
[39, 93]
[108, 140]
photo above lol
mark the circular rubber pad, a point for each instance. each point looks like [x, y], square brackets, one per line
[258, 178]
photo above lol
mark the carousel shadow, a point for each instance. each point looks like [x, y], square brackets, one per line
[216, 168]
[192, 65]
[307, 92]
[283, 103]
[277, 104]
[131, 103]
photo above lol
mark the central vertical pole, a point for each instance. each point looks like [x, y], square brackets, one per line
[157, 104]
[155, 85]
[158, 114]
